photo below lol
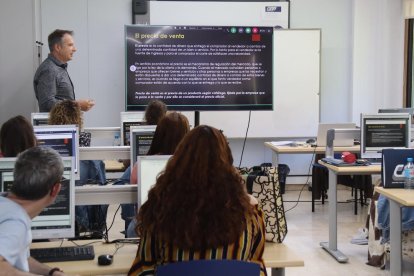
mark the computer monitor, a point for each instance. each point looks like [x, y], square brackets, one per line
[141, 139]
[40, 119]
[149, 167]
[340, 141]
[384, 131]
[56, 220]
[62, 138]
[129, 119]
[409, 110]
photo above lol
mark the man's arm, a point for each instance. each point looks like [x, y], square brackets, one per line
[45, 87]
[8, 269]
[36, 267]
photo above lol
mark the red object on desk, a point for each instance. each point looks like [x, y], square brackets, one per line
[348, 157]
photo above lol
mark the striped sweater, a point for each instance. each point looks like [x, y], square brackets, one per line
[249, 247]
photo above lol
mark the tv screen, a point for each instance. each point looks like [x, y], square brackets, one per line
[384, 131]
[199, 67]
[62, 138]
[58, 219]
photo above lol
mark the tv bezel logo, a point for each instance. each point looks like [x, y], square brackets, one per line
[273, 9]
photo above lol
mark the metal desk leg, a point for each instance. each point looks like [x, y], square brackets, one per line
[395, 239]
[331, 246]
[278, 271]
[275, 158]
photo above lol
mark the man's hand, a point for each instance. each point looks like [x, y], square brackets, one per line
[85, 105]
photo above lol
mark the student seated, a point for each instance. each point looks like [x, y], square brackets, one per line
[89, 218]
[168, 134]
[199, 209]
[37, 175]
[154, 112]
[16, 135]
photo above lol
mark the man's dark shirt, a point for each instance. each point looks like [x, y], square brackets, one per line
[52, 84]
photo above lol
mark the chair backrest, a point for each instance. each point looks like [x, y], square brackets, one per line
[209, 268]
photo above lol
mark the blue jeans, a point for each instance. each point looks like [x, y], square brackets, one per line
[91, 218]
[128, 211]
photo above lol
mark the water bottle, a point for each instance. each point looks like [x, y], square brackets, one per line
[409, 174]
[117, 140]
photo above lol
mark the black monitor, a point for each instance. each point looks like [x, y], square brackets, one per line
[62, 138]
[40, 119]
[128, 120]
[384, 131]
[193, 68]
[56, 220]
[141, 139]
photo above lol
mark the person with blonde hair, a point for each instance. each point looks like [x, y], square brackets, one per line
[89, 218]
[199, 209]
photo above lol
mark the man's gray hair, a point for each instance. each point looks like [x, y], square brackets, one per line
[36, 171]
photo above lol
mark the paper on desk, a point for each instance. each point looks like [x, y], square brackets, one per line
[281, 143]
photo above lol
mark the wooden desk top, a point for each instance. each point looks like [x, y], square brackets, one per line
[279, 255]
[122, 260]
[307, 149]
[402, 196]
[275, 255]
[114, 165]
[371, 169]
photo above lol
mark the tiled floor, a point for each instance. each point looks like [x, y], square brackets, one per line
[307, 229]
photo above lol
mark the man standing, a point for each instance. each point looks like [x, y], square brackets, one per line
[51, 81]
[37, 182]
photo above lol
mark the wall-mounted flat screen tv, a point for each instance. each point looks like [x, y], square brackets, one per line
[201, 68]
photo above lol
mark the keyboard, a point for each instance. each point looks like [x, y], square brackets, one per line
[63, 254]
[336, 162]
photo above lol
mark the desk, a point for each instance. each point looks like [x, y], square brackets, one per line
[105, 194]
[397, 198]
[276, 150]
[121, 264]
[114, 166]
[104, 153]
[276, 256]
[334, 171]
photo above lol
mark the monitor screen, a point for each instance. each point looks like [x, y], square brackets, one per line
[40, 119]
[199, 67]
[384, 131]
[149, 168]
[128, 120]
[141, 137]
[62, 138]
[409, 110]
[56, 220]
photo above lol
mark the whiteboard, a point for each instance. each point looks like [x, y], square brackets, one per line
[97, 69]
[296, 92]
[296, 65]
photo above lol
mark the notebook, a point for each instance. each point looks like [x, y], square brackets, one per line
[340, 142]
[393, 161]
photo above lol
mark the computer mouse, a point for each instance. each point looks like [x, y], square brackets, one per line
[105, 259]
[310, 141]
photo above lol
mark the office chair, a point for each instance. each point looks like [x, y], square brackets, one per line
[320, 181]
[209, 268]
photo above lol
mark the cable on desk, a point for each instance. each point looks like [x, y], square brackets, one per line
[245, 138]
[112, 223]
[306, 182]
[86, 244]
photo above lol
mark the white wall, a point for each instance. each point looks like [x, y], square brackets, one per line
[378, 56]
[16, 59]
[362, 58]
[334, 17]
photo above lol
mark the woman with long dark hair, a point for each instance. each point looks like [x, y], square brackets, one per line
[199, 209]
[16, 135]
